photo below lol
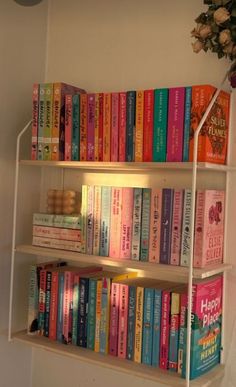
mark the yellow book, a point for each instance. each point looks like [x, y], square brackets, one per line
[138, 325]
[138, 156]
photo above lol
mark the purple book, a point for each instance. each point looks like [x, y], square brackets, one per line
[166, 222]
[90, 127]
[175, 124]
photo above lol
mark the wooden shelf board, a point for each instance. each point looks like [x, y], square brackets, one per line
[127, 166]
[151, 270]
[130, 367]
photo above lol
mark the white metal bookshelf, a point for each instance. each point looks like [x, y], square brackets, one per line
[149, 270]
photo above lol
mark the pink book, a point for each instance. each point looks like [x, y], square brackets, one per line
[148, 125]
[155, 225]
[58, 233]
[68, 126]
[35, 108]
[67, 301]
[176, 226]
[182, 330]
[126, 222]
[114, 316]
[90, 126]
[209, 228]
[100, 130]
[115, 227]
[122, 126]
[114, 126]
[175, 129]
[123, 321]
[96, 127]
[165, 329]
[53, 307]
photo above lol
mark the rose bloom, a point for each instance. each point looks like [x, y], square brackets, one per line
[225, 37]
[221, 15]
[229, 48]
[197, 46]
[202, 31]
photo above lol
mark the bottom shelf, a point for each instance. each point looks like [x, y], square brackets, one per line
[117, 364]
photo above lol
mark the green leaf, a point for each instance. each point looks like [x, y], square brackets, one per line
[208, 2]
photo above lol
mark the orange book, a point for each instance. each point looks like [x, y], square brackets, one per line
[213, 138]
[83, 127]
[139, 126]
[107, 127]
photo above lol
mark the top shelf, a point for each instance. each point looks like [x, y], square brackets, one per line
[128, 166]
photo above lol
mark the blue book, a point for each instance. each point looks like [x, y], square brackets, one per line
[60, 307]
[105, 308]
[160, 124]
[147, 326]
[156, 327]
[131, 323]
[187, 122]
[105, 221]
[91, 313]
[145, 230]
[130, 125]
[166, 223]
[83, 312]
[75, 127]
[47, 303]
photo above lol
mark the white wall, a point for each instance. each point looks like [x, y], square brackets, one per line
[22, 61]
[110, 45]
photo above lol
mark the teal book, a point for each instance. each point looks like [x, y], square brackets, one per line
[160, 124]
[131, 322]
[105, 221]
[75, 311]
[156, 327]
[91, 322]
[75, 156]
[187, 122]
[148, 326]
[145, 232]
[60, 306]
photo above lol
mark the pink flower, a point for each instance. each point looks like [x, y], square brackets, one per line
[221, 15]
[197, 46]
[202, 31]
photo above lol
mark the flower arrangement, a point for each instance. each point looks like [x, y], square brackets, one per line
[216, 31]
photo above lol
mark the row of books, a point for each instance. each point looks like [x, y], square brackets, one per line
[131, 318]
[145, 125]
[141, 224]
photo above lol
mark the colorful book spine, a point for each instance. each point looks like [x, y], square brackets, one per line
[131, 323]
[122, 126]
[47, 303]
[148, 125]
[138, 325]
[107, 127]
[166, 225]
[130, 125]
[175, 131]
[186, 237]
[35, 118]
[105, 315]
[137, 222]
[105, 221]
[123, 321]
[187, 122]
[176, 227]
[68, 127]
[148, 326]
[90, 219]
[139, 126]
[53, 307]
[75, 313]
[114, 126]
[47, 128]
[75, 151]
[165, 329]
[115, 234]
[67, 301]
[98, 316]
[114, 318]
[182, 330]
[126, 223]
[146, 206]
[60, 307]
[61, 221]
[84, 221]
[41, 120]
[96, 127]
[90, 126]
[160, 124]
[100, 132]
[42, 295]
[155, 225]
[33, 301]
[60, 244]
[91, 324]
[83, 127]
[58, 233]
[174, 331]
[97, 219]
[83, 312]
[156, 327]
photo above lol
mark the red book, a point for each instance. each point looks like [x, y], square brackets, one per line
[53, 307]
[100, 131]
[122, 126]
[90, 126]
[148, 125]
[83, 127]
[114, 126]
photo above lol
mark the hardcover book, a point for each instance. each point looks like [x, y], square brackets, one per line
[160, 124]
[175, 131]
[187, 122]
[148, 125]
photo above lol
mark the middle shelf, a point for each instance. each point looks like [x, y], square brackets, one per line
[147, 269]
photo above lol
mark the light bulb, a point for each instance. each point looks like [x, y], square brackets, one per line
[28, 3]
